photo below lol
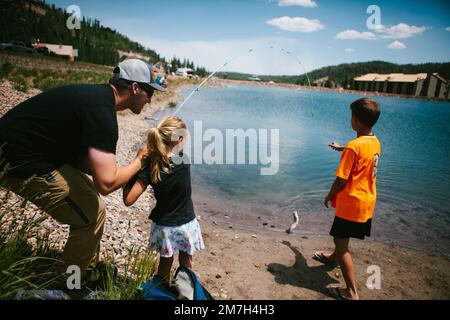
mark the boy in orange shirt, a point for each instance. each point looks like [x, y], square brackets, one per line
[353, 193]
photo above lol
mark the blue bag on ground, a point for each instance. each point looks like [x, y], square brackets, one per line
[157, 289]
[186, 287]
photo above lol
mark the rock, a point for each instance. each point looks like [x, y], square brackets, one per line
[218, 276]
[265, 223]
[214, 222]
[254, 236]
[230, 227]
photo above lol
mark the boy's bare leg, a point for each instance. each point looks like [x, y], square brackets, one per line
[165, 264]
[185, 260]
[345, 261]
[332, 256]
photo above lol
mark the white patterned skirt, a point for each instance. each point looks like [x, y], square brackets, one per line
[170, 240]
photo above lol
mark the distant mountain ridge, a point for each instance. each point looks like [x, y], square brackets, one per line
[344, 73]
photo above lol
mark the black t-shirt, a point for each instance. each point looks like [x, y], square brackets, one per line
[173, 195]
[57, 126]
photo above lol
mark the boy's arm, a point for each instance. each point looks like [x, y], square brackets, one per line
[336, 146]
[133, 191]
[337, 186]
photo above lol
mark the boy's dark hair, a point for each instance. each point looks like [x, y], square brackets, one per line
[366, 110]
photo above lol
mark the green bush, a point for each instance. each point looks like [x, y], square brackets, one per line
[20, 83]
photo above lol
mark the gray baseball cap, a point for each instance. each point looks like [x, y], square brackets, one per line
[138, 71]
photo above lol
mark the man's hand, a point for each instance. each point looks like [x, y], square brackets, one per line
[142, 154]
[336, 146]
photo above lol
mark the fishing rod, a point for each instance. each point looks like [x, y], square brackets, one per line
[196, 89]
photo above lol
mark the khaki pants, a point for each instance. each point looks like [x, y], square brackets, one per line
[70, 197]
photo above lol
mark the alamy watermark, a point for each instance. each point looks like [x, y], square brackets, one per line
[74, 280]
[374, 20]
[374, 280]
[74, 21]
[236, 146]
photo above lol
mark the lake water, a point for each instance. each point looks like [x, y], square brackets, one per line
[414, 171]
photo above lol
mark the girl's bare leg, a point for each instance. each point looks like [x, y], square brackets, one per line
[185, 260]
[165, 264]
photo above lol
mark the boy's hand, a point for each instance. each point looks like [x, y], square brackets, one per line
[336, 146]
[327, 199]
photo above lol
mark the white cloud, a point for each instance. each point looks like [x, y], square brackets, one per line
[400, 31]
[355, 35]
[296, 24]
[397, 45]
[212, 54]
[448, 28]
[300, 3]
[349, 50]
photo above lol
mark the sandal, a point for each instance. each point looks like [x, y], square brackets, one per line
[336, 294]
[319, 256]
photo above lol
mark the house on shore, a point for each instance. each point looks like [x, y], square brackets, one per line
[59, 50]
[420, 84]
[320, 82]
[254, 78]
[185, 72]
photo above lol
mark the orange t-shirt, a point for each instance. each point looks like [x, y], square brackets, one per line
[359, 166]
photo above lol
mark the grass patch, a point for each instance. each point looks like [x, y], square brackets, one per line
[46, 79]
[172, 104]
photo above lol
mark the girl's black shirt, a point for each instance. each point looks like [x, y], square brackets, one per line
[174, 205]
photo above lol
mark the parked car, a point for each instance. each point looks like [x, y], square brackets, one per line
[17, 46]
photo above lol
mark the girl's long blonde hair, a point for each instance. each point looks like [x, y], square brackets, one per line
[159, 142]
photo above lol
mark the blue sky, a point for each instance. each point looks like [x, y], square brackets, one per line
[317, 32]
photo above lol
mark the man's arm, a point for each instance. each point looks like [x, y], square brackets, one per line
[337, 186]
[107, 176]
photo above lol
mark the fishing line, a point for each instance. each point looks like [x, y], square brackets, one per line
[251, 50]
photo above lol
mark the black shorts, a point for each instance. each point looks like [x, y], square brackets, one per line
[343, 229]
